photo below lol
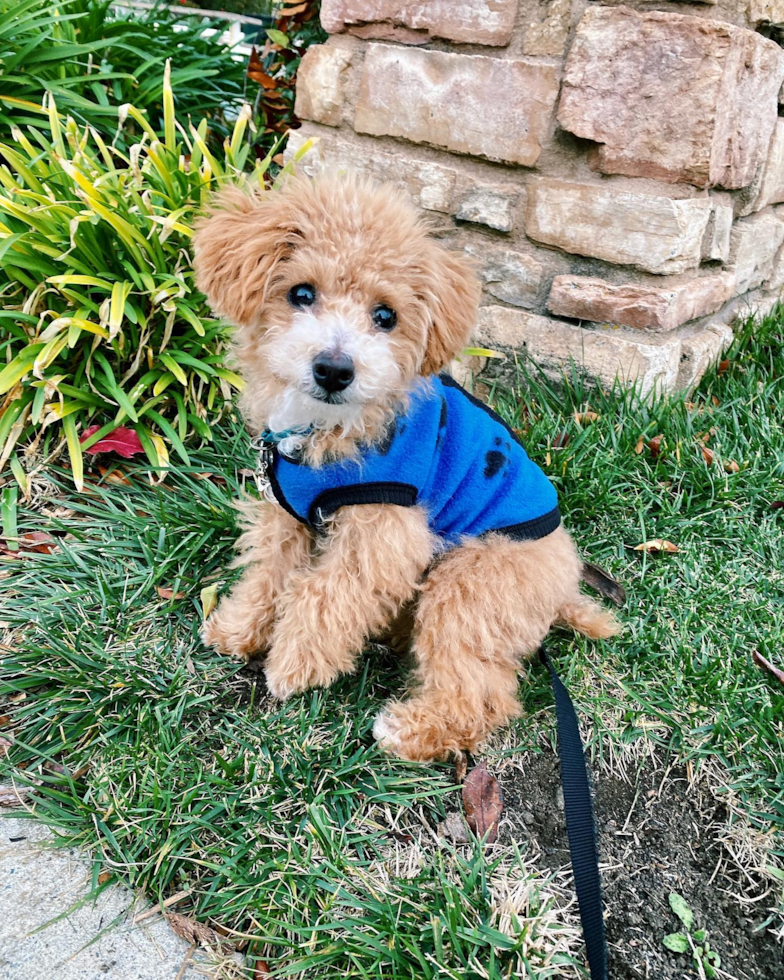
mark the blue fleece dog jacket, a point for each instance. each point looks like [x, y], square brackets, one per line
[450, 454]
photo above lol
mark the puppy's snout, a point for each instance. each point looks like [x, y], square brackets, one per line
[333, 371]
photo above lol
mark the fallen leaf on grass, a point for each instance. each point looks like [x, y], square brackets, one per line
[562, 441]
[723, 367]
[600, 580]
[656, 546]
[777, 505]
[169, 593]
[731, 466]
[36, 542]
[640, 446]
[123, 441]
[192, 931]
[209, 599]
[58, 769]
[708, 455]
[5, 745]
[115, 476]
[767, 666]
[483, 802]
[104, 876]
[654, 446]
[214, 477]
[11, 796]
[587, 416]
[261, 970]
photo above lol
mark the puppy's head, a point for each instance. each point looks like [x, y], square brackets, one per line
[340, 297]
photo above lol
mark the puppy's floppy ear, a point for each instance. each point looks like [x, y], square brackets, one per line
[453, 297]
[236, 247]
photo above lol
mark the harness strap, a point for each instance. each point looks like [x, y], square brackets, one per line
[580, 825]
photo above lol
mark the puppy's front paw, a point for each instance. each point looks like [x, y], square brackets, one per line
[295, 673]
[417, 733]
[235, 631]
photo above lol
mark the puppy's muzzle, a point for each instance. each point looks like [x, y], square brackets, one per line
[333, 371]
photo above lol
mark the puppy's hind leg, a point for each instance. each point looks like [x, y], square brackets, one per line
[483, 608]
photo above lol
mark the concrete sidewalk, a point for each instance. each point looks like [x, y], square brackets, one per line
[38, 883]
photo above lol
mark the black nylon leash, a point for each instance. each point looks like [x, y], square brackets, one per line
[580, 825]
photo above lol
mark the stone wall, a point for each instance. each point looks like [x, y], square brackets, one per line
[617, 171]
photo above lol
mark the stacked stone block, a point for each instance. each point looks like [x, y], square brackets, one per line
[616, 171]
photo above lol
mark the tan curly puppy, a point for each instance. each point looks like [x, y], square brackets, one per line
[346, 310]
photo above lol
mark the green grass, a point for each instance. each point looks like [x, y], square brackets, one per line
[284, 822]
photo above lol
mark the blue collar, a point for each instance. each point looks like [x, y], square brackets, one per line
[269, 438]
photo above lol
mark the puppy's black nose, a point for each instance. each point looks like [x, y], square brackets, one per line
[333, 371]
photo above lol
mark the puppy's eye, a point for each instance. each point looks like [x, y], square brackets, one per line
[302, 294]
[384, 317]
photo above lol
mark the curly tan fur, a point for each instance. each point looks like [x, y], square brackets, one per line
[469, 616]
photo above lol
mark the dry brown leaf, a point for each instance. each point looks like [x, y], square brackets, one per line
[104, 876]
[640, 445]
[257, 74]
[483, 802]
[19, 696]
[115, 476]
[777, 505]
[5, 720]
[261, 970]
[169, 593]
[715, 401]
[723, 367]
[585, 417]
[708, 455]
[731, 466]
[37, 542]
[767, 666]
[5, 745]
[192, 931]
[214, 477]
[562, 441]
[657, 545]
[600, 580]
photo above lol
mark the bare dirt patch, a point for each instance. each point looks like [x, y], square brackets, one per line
[655, 837]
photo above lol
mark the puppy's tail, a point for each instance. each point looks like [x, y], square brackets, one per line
[589, 618]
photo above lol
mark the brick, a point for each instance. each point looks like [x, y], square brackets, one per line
[508, 275]
[471, 21]
[656, 233]
[321, 83]
[603, 354]
[429, 185]
[755, 244]
[670, 96]
[768, 185]
[549, 36]
[766, 11]
[700, 352]
[658, 308]
[489, 206]
[453, 101]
